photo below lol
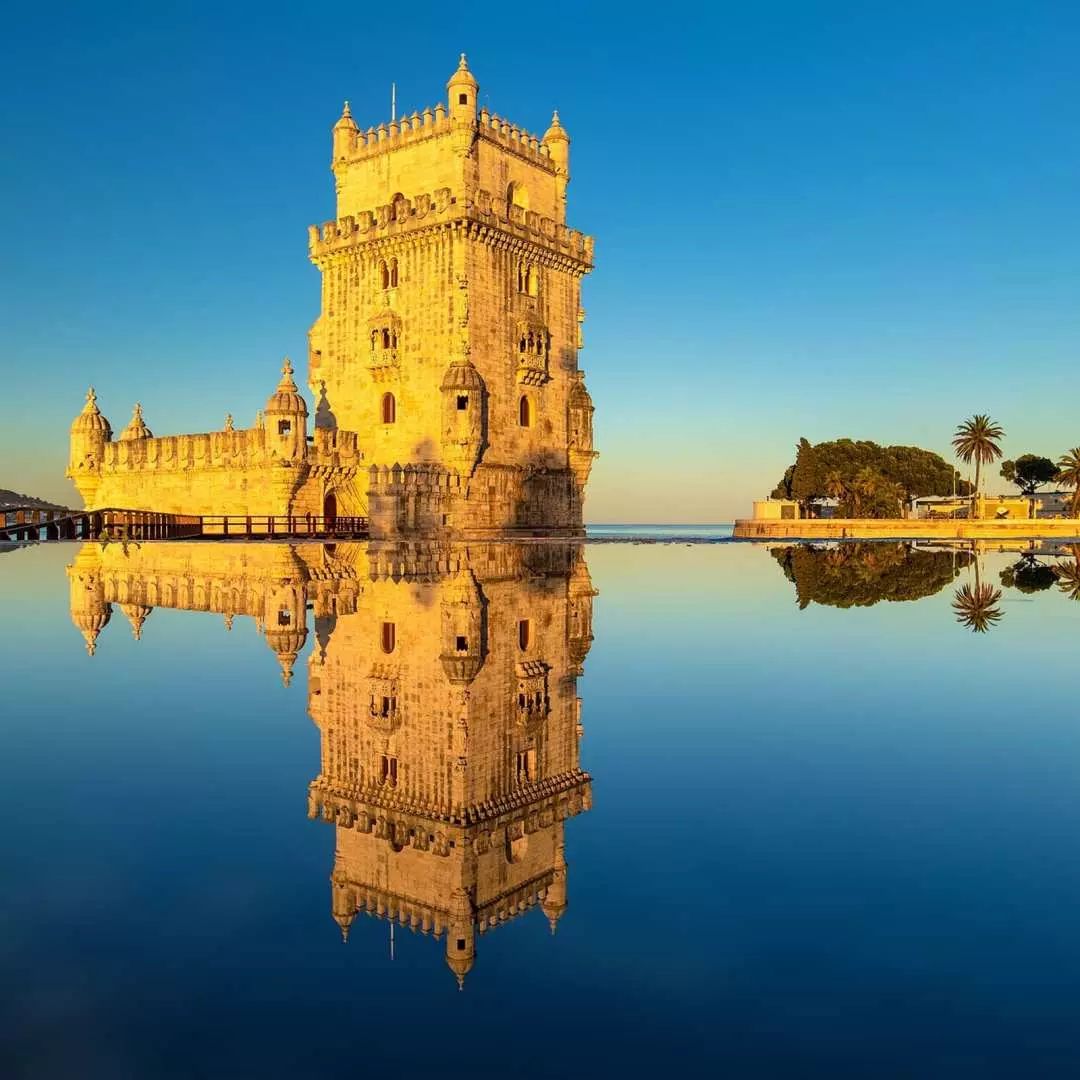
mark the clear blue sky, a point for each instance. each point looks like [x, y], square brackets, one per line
[817, 219]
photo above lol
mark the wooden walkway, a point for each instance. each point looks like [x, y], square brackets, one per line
[34, 525]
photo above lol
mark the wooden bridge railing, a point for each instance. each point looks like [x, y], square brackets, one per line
[32, 524]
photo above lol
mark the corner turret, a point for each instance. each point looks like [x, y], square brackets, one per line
[558, 146]
[464, 629]
[89, 610]
[554, 902]
[463, 90]
[90, 432]
[464, 417]
[344, 135]
[460, 938]
[580, 425]
[285, 424]
[285, 611]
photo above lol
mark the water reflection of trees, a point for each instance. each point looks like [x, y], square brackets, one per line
[862, 574]
[1029, 575]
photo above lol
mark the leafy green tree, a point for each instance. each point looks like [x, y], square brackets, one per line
[865, 479]
[977, 440]
[1029, 472]
[1069, 476]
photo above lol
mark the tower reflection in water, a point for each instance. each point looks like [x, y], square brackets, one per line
[443, 682]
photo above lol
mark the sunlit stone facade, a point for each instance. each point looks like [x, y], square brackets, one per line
[443, 365]
[443, 682]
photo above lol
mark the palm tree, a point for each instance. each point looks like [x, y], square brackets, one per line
[977, 440]
[835, 487]
[1069, 464]
[1068, 575]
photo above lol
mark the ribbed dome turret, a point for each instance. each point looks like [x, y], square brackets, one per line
[90, 420]
[136, 615]
[90, 623]
[462, 375]
[137, 428]
[287, 398]
[580, 397]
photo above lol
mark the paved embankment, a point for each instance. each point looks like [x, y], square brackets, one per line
[904, 529]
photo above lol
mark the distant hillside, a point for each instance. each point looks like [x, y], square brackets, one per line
[13, 498]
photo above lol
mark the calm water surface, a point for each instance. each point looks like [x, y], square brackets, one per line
[789, 812]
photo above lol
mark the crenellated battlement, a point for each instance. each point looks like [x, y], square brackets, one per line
[498, 129]
[215, 449]
[356, 146]
[440, 208]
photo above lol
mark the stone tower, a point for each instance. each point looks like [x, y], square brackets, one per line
[450, 322]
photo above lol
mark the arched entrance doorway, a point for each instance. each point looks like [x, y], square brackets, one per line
[329, 511]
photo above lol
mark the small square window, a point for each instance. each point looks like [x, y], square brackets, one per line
[462, 644]
[461, 943]
[284, 618]
[462, 402]
[463, 99]
[284, 427]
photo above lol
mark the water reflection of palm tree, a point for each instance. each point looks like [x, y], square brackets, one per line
[1068, 575]
[976, 607]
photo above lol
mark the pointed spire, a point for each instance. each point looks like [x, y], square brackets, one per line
[346, 120]
[556, 132]
[462, 77]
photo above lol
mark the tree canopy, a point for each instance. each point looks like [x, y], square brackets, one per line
[1029, 472]
[867, 480]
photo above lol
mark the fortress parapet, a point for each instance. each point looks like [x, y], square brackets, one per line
[440, 209]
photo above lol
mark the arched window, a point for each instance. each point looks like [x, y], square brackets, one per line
[529, 278]
[523, 634]
[518, 195]
[389, 409]
[384, 274]
[389, 637]
[521, 276]
[393, 274]
[524, 412]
